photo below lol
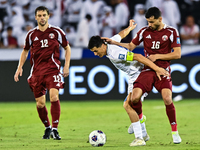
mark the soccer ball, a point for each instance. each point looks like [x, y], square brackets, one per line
[97, 138]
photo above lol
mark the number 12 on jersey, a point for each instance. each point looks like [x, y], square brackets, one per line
[44, 43]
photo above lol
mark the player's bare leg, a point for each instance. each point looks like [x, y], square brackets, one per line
[55, 112]
[134, 118]
[43, 114]
[171, 113]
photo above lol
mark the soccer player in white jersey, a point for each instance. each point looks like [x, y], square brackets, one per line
[128, 62]
[161, 44]
[44, 42]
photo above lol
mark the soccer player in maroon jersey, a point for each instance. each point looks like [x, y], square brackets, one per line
[44, 42]
[161, 44]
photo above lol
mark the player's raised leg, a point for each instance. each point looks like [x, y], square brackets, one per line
[171, 113]
[43, 114]
[55, 112]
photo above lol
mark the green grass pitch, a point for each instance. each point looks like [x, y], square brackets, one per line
[21, 128]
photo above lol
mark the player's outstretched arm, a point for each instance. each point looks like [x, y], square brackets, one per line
[67, 60]
[127, 30]
[22, 60]
[123, 34]
[147, 62]
[129, 46]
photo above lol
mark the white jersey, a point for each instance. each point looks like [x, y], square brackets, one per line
[117, 56]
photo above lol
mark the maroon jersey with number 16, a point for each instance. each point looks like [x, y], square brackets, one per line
[158, 42]
[44, 49]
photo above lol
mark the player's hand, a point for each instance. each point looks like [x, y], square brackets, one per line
[65, 72]
[162, 72]
[132, 24]
[153, 58]
[18, 72]
[108, 40]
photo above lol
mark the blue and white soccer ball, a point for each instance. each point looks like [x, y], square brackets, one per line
[97, 138]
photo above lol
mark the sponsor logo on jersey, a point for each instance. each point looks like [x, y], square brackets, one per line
[178, 40]
[148, 37]
[36, 38]
[51, 35]
[121, 56]
[164, 37]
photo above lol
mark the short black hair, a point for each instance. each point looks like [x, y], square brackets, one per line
[43, 8]
[88, 16]
[95, 41]
[153, 11]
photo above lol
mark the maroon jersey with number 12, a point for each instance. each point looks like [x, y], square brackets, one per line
[44, 49]
[158, 42]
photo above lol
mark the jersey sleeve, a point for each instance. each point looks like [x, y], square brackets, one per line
[175, 39]
[138, 38]
[62, 38]
[117, 38]
[28, 42]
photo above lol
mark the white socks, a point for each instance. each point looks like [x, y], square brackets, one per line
[137, 129]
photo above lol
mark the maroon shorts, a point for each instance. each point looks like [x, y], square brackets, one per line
[147, 79]
[39, 84]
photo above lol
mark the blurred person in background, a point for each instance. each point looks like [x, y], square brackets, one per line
[139, 18]
[189, 32]
[21, 37]
[108, 22]
[70, 34]
[95, 9]
[9, 40]
[82, 34]
[72, 12]
[121, 14]
[17, 19]
[44, 42]
[170, 11]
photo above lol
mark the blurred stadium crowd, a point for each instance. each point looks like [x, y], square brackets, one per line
[81, 19]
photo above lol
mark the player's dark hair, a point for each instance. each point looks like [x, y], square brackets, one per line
[153, 11]
[88, 17]
[95, 41]
[43, 8]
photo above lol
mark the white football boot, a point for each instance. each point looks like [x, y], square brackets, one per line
[138, 142]
[176, 137]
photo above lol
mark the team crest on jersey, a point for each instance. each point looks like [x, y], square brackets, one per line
[164, 37]
[51, 35]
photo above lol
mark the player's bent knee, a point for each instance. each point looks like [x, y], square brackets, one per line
[40, 104]
[167, 99]
[53, 98]
[125, 105]
[134, 99]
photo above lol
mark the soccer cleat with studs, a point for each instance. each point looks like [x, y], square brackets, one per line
[55, 135]
[47, 133]
[138, 142]
[176, 137]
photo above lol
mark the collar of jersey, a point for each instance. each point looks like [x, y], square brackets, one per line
[48, 27]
